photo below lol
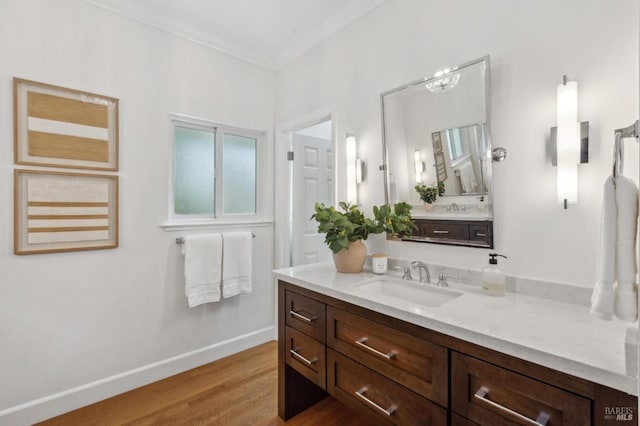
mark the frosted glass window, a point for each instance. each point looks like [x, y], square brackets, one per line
[239, 174]
[194, 172]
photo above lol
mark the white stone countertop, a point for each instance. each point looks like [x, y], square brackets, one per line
[554, 334]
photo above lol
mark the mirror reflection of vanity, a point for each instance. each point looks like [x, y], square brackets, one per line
[436, 133]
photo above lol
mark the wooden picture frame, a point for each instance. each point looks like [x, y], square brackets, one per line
[441, 166]
[437, 141]
[59, 211]
[59, 127]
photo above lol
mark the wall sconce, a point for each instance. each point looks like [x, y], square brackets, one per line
[571, 142]
[418, 165]
[355, 169]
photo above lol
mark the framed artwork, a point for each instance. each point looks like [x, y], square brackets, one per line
[441, 167]
[57, 211]
[437, 141]
[58, 127]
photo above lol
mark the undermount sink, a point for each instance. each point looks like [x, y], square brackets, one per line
[408, 292]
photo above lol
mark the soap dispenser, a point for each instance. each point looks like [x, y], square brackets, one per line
[493, 277]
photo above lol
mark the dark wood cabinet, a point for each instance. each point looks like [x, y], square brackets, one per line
[377, 396]
[455, 232]
[490, 395]
[394, 372]
[411, 361]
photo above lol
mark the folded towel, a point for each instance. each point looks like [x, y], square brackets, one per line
[236, 263]
[202, 268]
[615, 289]
[626, 301]
[602, 297]
[467, 177]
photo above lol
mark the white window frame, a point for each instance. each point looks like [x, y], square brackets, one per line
[179, 120]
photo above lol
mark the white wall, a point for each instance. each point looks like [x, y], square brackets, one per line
[69, 319]
[531, 44]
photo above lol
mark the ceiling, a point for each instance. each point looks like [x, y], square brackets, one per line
[269, 33]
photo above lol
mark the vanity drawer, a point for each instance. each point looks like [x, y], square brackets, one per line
[306, 315]
[446, 229]
[406, 359]
[490, 395]
[307, 356]
[480, 232]
[367, 391]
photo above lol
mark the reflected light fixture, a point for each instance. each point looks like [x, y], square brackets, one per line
[567, 142]
[352, 188]
[443, 80]
[418, 165]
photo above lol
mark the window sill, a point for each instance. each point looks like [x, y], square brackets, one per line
[193, 224]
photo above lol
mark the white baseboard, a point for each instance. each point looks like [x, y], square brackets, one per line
[71, 399]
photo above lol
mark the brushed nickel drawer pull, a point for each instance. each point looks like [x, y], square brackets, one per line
[295, 353]
[389, 411]
[362, 342]
[302, 317]
[437, 231]
[480, 234]
[542, 419]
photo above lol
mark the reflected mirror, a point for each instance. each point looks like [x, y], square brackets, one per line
[437, 154]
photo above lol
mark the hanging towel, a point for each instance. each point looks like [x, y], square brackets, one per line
[615, 288]
[236, 263]
[626, 301]
[467, 177]
[202, 268]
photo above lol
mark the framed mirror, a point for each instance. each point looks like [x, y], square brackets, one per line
[436, 141]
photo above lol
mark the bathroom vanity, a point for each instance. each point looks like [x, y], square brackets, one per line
[454, 232]
[400, 353]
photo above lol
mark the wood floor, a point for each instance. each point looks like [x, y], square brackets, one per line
[237, 390]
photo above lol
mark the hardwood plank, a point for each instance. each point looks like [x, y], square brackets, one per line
[237, 390]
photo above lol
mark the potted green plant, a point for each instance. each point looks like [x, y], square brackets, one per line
[428, 194]
[345, 230]
[441, 188]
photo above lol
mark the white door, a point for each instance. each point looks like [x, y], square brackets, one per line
[312, 181]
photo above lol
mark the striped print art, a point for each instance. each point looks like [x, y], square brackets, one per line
[58, 127]
[64, 211]
[55, 127]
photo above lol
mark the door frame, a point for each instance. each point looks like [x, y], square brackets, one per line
[284, 175]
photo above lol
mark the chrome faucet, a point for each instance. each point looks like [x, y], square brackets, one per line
[453, 207]
[406, 272]
[421, 266]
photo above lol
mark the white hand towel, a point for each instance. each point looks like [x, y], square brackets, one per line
[615, 290]
[202, 268]
[625, 305]
[467, 177]
[236, 263]
[602, 297]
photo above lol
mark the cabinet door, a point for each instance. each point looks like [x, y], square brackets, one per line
[380, 398]
[307, 356]
[493, 396]
[306, 315]
[480, 233]
[408, 360]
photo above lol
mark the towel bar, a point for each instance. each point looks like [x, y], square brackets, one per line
[180, 240]
[618, 147]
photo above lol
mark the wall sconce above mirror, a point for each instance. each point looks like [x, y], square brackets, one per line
[436, 140]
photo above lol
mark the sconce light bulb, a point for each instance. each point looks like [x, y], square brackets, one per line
[568, 142]
[352, 189]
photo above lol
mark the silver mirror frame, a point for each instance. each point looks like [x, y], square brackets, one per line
[488, 155]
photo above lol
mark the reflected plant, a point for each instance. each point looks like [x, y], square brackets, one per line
[428, 194]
